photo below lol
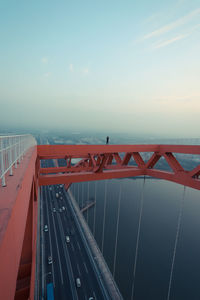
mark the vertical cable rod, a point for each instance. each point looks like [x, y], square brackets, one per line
[176, 242]
[117, 229]
[138, 239]
[78, 195]
[88, 194]
[95, 200]
[75, 190]
[82, 196]
[104, 216]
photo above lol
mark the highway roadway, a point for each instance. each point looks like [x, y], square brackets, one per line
[69, 260]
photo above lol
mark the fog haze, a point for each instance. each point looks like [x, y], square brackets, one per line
[120, 66]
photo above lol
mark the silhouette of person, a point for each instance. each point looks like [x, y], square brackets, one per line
[107, 140]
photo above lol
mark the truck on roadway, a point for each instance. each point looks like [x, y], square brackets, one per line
[50, 293]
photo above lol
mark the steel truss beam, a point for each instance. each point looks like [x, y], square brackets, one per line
[99, 162]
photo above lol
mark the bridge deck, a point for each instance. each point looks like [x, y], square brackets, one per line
[15, 249]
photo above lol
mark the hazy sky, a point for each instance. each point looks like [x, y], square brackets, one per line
[131, 66]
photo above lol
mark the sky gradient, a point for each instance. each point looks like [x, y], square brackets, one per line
[119, 66]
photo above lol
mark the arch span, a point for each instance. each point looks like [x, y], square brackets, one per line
[99, 162]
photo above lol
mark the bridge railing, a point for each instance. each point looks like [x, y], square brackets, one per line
[12, 150]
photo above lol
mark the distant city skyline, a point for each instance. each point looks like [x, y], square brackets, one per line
[116, 66]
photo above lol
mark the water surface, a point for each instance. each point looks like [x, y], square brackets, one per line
[161, 208]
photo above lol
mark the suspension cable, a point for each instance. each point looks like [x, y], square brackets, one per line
[176, 242]
[82, 196]
[88, 194]
[116, 237]
[138, 239]
[95, 198]
[104, 216]
[78, 196]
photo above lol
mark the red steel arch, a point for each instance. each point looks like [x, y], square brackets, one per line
[98, 162]
[19, 205]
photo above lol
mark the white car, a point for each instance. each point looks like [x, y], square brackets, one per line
[45, 228]
[78, 282]
[49, 260]
[54, 210]
[63, 208]
[67, 239]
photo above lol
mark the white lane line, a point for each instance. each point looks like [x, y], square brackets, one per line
[58, 250]
[72, 246]
[95, 297]
[49, 230]
[57, 246]
[65, 251]
[79, 271]
[90, 284]
[39, 247]
[85, 267]
[42, 242]
[78, 245]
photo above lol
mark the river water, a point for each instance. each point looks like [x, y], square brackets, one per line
[162, 201]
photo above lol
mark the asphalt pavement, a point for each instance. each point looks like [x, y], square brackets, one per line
[69, 260]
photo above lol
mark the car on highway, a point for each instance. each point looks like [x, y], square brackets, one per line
[60, 209]
[45, 228]
[78, 282]
[49, 260]
[63, 208]
[54, 210]
[50, 291]
[67, 239]
[91, 298]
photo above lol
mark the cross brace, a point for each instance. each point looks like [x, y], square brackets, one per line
[99, 162]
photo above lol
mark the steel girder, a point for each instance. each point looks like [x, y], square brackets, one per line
[99, 162]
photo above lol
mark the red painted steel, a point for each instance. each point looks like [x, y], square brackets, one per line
[18, 220]
[18, 208]
[98, 162]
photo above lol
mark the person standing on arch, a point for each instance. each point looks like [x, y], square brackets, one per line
[107, 140]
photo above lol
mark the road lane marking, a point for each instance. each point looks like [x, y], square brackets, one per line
[85, 267]
[59, 260]
[42, 246]
[72, 247]
[95, 297]
[79, 271]
[78, 245]
[57, 247]
[65, 254]
[49, 230]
